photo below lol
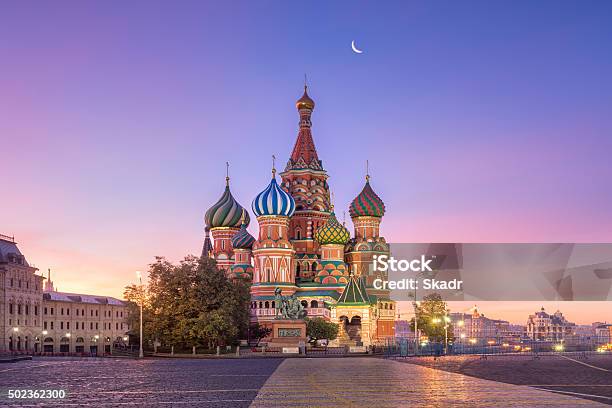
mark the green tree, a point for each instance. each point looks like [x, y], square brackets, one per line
[431, 314]
[318, 329]
[192, 304]
[259, 332]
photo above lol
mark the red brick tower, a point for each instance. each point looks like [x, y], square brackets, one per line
[306, 180]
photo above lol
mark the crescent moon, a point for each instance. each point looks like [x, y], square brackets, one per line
[355, 49]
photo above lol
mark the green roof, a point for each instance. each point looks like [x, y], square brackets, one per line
[354, 293]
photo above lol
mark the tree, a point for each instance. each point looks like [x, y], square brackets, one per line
[319, 328]
[259, 332]
[192, 304]
[431, 314]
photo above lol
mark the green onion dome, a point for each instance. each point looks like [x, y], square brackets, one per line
[242, 239]
[226, 212]
[332, 232]
[367, 203]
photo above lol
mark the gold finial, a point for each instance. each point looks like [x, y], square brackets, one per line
[344, 218]
[367, 171]
[273, 166]
[331, 204]
[227, 178]
[242, 217]
[305, 82]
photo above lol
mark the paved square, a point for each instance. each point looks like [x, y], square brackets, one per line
[263, 382]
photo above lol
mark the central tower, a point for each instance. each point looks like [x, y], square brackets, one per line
[306, 180]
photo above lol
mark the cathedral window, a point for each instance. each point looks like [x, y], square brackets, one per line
[314, 304]
[267, 304]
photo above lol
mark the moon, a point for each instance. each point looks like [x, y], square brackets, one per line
[355, 49]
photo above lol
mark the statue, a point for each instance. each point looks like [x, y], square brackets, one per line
[288, 307]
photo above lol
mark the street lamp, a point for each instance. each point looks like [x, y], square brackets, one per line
[139, 275]
[15, 329]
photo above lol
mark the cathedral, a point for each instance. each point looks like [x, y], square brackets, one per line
[303, 249]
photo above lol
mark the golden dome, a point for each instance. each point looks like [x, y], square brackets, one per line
[305, 102]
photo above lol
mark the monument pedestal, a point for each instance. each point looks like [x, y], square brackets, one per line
[287, 333]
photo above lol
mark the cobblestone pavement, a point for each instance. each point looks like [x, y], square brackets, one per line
[379, 383]
[271, 382]
[587, 378]
[119, 382]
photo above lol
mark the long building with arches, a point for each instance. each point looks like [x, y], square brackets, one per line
[302, 248]
[34, 317]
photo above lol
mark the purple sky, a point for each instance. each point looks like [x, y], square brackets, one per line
[482, 121]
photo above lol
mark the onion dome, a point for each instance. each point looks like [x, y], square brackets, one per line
[367, 203]
[226, 212]
[332, 232]
[305, 102]
[273, 201]
[242, 239]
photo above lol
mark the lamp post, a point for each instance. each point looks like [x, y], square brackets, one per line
[446, 321]
[139, 275]
[68, 336]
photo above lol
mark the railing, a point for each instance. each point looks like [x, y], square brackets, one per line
[312, 312]
[7, 238]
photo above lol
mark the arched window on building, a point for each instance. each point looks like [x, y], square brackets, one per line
[267, 304]
[314, 303]
[304, 303]
[314, 266]
[298, 233]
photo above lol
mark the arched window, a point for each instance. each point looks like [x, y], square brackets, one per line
[260, 304]
[304, 303]
[314, 303]
[222, 244]
[297, 270]
[314, 266]
[298, 233]
[273, 305]
[267, 304]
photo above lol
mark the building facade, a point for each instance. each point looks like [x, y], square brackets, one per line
[20, 299]
[303, 249]
[36, 319]
[549, 327]
[476, 328]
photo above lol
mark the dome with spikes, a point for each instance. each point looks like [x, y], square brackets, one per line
[367, 203]
[242, 239]
[273, 201]
[226, 212]
[305, 102]
[332, 232]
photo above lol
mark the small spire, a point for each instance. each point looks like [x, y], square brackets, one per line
[242, 217]
[344, 218]
[367, 171]
[273, 166]
[305, 82]
[331, 204]
[227, 178]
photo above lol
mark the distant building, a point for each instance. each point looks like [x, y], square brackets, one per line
[477, 329]
[78, 323]
[547, 327]
[20, 298]
[63, 322]
[403, 330]
[603, 334]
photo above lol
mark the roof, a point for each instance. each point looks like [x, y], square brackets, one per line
[81, 298]
[354, 292]
[9, 251]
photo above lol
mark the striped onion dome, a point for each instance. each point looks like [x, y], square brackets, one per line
[332, 232]
[273, 201]
[242, 239]
[226, 212]
[367, 203]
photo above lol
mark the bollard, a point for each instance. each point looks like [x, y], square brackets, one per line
[237, 351]
[218, 350]
[172, 351]
[193, 350]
